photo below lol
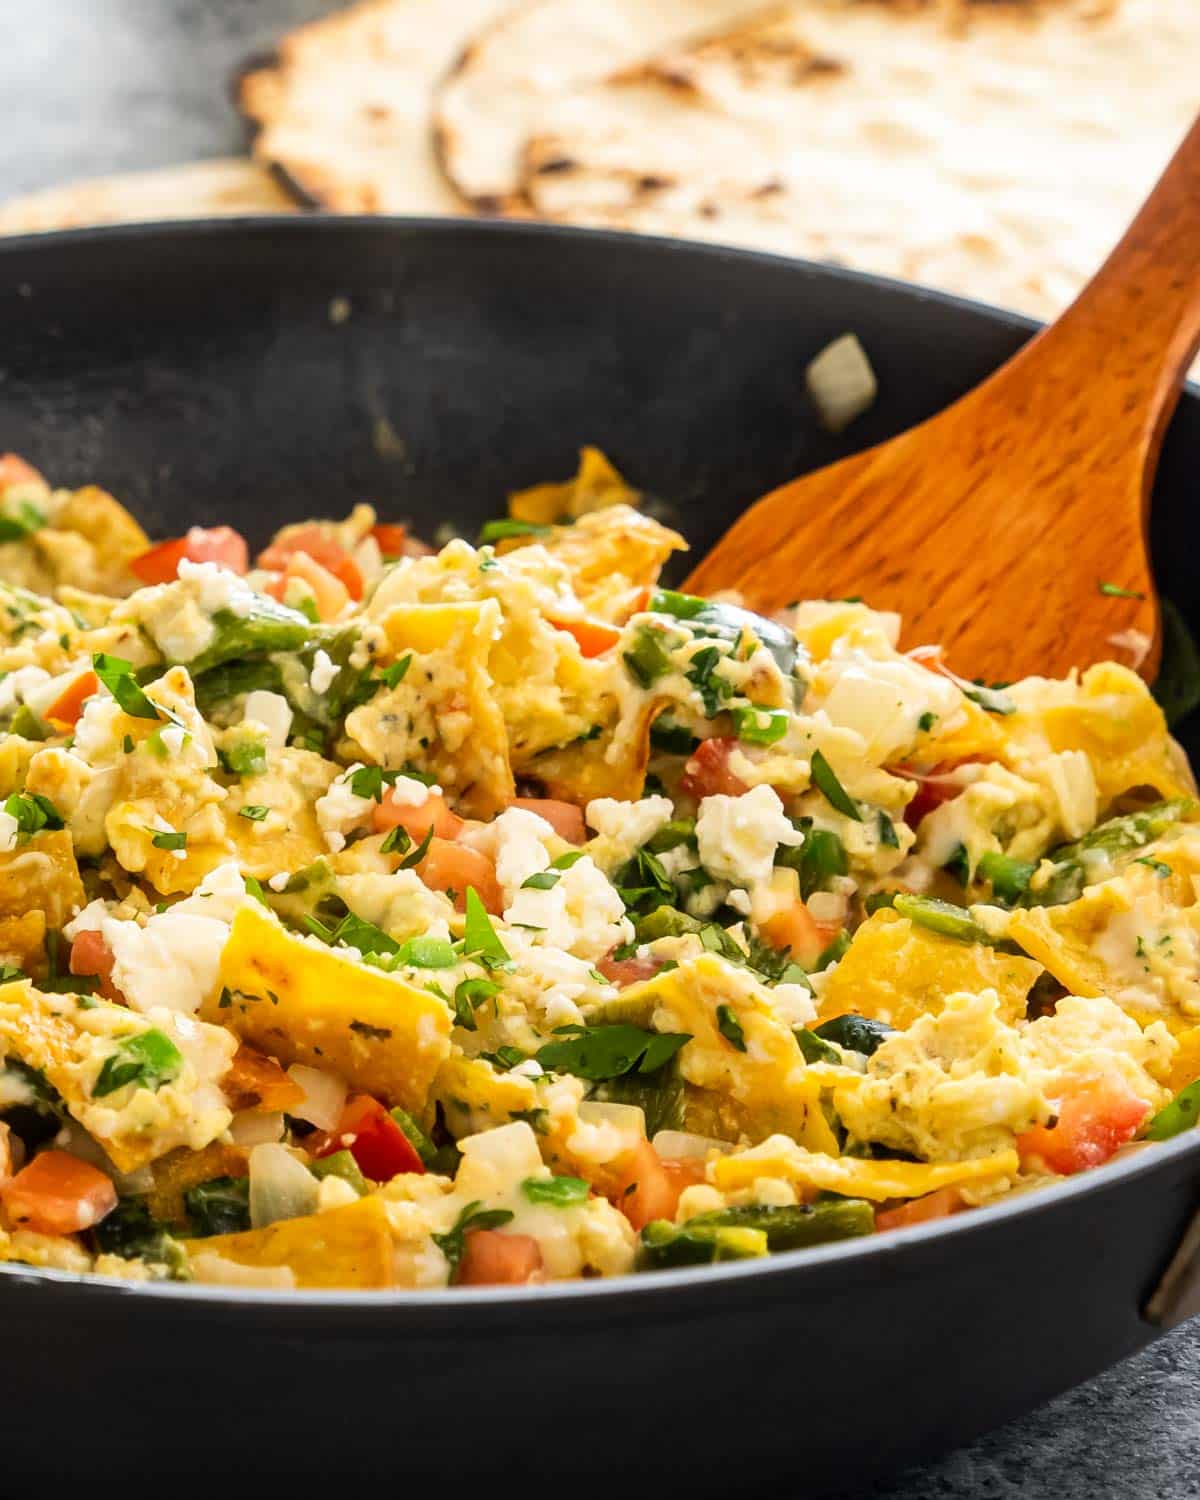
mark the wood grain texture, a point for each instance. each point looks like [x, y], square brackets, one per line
[991, 526]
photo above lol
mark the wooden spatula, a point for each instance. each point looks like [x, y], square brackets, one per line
[1002, 527]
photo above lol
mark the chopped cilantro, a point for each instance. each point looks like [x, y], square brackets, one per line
[149, 1059]
[730, 1027]
[482, 940]
[561, 1192]
[602, 1052]
[255, 811]
[170, 840]
[826, 782]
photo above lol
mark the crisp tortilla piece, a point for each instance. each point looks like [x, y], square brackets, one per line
[342, 1247]
[42, 875]
[343, 110]
[1134, 938]
[610, 554]
[766, 1087]
[595, 485]
[442, 717]
[854, 1177]
[611, 765]
[474, 1096]
[1111, 717]
[300, 1002]
[895, 971]
[180, 1170]
[68, 1038]
[198, 190]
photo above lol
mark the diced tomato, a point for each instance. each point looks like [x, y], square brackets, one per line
[593, 637]
[67, 707]
[91, 955]
[794, 926]
[934, 787]
[1096, 1116]
[493, 1258]
[321, 549]
[647, 1187]
[564, 817]
[390, 538]
[256, 1081]
[57, 1194]
[707, 771]
[417, 821]
[453, 867]
[14, 470]
[920, 1210]
[329, 593]
[372, 1137]
[215, 544]
[623, 971]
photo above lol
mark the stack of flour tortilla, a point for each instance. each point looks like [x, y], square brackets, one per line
[995, 148]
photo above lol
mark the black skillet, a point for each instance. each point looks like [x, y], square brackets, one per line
[257, 372]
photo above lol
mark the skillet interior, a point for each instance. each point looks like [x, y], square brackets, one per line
[252, 372]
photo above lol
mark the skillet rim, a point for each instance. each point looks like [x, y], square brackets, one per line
[610, 1292]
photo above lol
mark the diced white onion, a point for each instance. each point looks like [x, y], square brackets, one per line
[827, 906]
[629, 1119]
[324, 1096]
[281, 1187]
[254, 1127]
[682, 1145]
[841, 382]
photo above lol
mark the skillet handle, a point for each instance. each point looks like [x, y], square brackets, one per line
[1177, 1296]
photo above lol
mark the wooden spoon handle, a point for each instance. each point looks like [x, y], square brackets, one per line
[1129, 337]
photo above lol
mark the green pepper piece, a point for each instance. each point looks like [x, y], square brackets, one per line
[665, 921]
[133, 1233]
[727, 622]
[417, 1138]
[27, 724]
[796, 1226]
[229, 680]
[760, 726]
[340, 1164]
[942, 917]
[855, 1033]
[647, 658]
[1010, 877]
[1117, 836]
[268, 627]
[665, 1245]
[219, 1206]
[1174, 1118]
[814, 1048]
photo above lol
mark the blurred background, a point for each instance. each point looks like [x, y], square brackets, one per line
[991, 147]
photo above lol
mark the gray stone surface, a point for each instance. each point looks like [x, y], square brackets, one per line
[95, 86]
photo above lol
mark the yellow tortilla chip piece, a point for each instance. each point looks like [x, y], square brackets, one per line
[609, 552]
[1119, 727]
[603, 767]
[301, 1003]
[342, 1247]
[853, 1176]
[442, 716]
[595, 485]
[740, 1049]
[180, 1170]
[474, 1096]
[69, 1044]
[895, 971]
[42, 875]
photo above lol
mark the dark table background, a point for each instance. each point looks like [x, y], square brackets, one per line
[97, 86]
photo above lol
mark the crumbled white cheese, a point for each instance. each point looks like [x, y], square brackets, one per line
[738, 836]
[279, 882]
[172, 962]
[581, 913]
[884, 701]
[407, 791]
[8, 831]
[14, 686]
[518, 843]
[273, 712]
[624, 827]
[320, 679]
[793, 1004]
[341, 812]
[216, 588]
